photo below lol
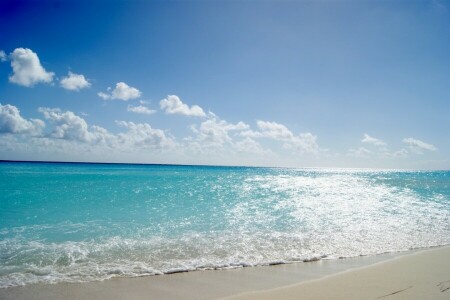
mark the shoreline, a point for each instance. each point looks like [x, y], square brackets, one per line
[263, 282]
[421, 275]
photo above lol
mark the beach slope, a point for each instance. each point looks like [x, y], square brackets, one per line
[422, 275]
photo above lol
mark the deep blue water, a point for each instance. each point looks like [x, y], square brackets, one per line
[84, 222]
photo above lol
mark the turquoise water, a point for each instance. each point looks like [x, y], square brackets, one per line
[84, 222]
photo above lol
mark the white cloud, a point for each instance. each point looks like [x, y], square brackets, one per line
[384, 153]
[27, 69]
[381, 151]
[3, 56]
[400, 153]
[67, 125]
[217, 141]
[418, 146]
[303, 143]
[249, 145]
[361, 152]
[215, 132]
[274, 130]
[140, 109]
[173, 105]
[101, 136]
[74, 82]
[104, 96]
[144, 136]
[251, 134]
[122, 91]
[374, 141]
[12, 122]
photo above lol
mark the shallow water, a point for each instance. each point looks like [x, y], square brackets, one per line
[84, 222]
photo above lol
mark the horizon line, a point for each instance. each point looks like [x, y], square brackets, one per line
[204, 165]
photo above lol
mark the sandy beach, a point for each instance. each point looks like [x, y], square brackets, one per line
[419, 275]
[423, 275]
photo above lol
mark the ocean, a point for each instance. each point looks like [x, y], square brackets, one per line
[75, 222]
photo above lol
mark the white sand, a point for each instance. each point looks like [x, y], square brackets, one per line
[424, 275]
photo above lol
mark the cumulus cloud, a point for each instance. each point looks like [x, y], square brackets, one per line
[274, 130]
[74, 82]
[216, 141]
[140, 109]
[144, 136]
[67, 125]
[173, 105]
[303, 142]
[216, 132]
[3, 56]
[12, 122]
[122, 91]
[27, 68]
[418, 146]
[71, 127]
[374, 141]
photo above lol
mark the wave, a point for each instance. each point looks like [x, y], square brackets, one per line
[28, 262]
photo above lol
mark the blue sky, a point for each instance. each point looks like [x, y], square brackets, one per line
[274, 83]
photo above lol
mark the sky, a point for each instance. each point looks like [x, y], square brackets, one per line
[358, 84]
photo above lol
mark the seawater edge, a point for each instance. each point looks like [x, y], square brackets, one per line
[208, 284]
